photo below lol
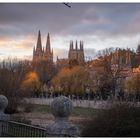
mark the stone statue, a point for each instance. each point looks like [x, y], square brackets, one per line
[61, 108]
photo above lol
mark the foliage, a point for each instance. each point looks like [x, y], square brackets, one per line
[102, 76]
[45, 70]
[71, 80]
[12, 73]
[132, 85]
[30, 83]
[120, 121]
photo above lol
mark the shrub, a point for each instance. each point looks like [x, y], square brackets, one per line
[119, 121]
[13, 103]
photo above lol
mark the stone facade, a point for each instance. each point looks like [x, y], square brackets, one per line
[76, 53]
[62, 63]
[46, 54]
[40, 53]
[121, 59]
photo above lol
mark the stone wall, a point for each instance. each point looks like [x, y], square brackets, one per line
[61, 108]
[96, 104]
[76, 103]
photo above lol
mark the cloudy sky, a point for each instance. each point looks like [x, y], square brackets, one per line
[98, 25]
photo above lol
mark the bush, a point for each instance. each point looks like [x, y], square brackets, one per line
[120, 121]
[13, 103]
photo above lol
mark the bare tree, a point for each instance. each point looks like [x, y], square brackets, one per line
[12, 72]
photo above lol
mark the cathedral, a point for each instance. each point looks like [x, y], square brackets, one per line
[76, 53]
[121, 60]
[121, 57]
[75, 56]
[40, 53]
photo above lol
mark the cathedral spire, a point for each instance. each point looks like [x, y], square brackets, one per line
[76, 46]
[52, 51]
[48, 44]
[57, 58]
[39, 44]
[71, 45]
[34, 49]
[81, 45]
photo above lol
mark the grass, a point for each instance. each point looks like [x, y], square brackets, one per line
[119, 121]
[77, 111]
[41, 109]
[85, 112]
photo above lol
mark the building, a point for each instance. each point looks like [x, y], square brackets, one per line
[62, 63]
[43, 54]
[121, 57]
[121, 62]
[136, 70]
[76, 54]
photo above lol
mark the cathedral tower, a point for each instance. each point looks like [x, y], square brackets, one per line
[40, 53]
[76, 53]
[48, 54]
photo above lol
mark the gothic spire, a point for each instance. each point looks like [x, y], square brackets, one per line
[70, 45]
[48, 44]
[39, 44]
[34, 49]
[57, 58]
[81, 45]
[52, 51]
[76, 46]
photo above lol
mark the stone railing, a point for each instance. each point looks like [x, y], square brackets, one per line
[3, 116]
[61, 108]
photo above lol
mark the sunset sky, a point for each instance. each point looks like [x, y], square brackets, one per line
[98, 25]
